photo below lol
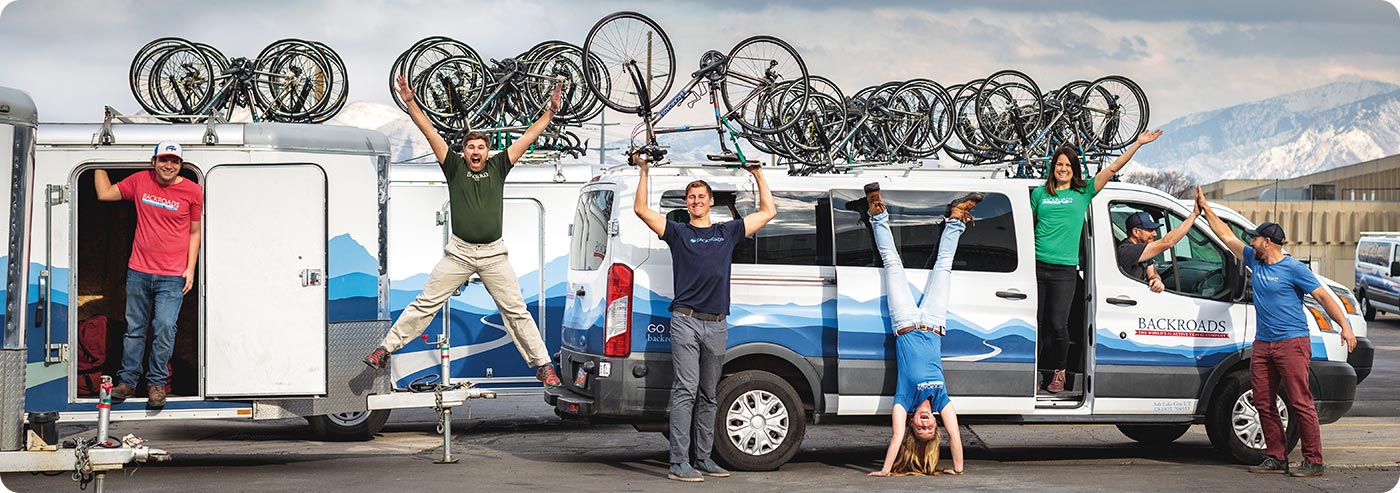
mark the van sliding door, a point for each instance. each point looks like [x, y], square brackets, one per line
[265, 285]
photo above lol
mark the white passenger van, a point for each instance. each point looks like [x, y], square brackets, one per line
[809, 339]
[1378, 273]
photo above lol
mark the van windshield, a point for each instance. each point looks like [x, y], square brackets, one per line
[589, 245]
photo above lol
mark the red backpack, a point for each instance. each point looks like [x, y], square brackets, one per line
[92, 354]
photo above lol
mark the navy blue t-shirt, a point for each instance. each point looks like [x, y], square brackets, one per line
[1278, 297]
[700, 260]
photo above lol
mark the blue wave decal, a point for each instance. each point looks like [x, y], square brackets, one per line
[353, 277]
[1112, 350]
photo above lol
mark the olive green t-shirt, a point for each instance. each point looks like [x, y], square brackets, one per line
[476, 198]
[1059, 222]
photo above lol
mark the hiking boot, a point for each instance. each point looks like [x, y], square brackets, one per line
[960, 209]
[683, 472]
[155, 396]
[872, 197]
[709, 467]
[545, 373]
[122, 392]
[377, 359]
[1306, 469]
[1057, 382]
[1270, 466]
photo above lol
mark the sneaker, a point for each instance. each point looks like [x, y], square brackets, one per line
[683, 472]
[872, 198]
[1306, 469]
[545, 373]
[709, 467]
[1057, 382]
[122, 392]
[377, 359]
[1270, 466]
[155, 396]
[960, 209]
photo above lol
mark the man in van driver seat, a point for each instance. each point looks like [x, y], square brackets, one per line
[700, 266]
[1282, 344]
[476, 188]
[1137, 250]
[161, 269]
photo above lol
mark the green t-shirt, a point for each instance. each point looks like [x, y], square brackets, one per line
[1059, 222]
[476, 198]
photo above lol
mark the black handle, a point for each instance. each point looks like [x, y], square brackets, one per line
[1124, 301]
[1011, 295]
[579, 292]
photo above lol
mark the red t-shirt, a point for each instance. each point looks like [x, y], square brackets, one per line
[163, 217]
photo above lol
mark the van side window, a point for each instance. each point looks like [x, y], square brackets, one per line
[1194, 267]
[589, 246]
[988, 246]
[799, 235]
[1373, 252]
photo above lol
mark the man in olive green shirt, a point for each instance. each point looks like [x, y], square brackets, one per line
[476, 188]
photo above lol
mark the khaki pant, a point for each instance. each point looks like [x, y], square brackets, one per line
[459, 261]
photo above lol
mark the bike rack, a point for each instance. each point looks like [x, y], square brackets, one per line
[106, 137]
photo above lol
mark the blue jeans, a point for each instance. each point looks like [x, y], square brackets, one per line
[152, 304]
[932, 310]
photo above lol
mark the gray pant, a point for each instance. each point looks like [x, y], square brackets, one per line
[697, 353]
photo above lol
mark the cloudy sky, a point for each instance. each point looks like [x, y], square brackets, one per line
[1189, 55]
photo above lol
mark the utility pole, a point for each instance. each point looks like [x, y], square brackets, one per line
[602, 136]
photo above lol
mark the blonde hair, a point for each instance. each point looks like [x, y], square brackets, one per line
[916, 457]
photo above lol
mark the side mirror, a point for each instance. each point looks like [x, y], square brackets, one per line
[1238, 280]
[1395, 269]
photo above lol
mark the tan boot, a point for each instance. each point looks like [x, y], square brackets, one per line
[155, 396]
[1057, 382]
[872, 197]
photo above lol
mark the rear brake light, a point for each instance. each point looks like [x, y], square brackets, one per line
[1322, 323]
[617, 321]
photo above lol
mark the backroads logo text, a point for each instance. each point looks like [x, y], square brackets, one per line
[1181, 327]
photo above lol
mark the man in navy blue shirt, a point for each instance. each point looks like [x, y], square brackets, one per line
[1282, 344]
[700, 260]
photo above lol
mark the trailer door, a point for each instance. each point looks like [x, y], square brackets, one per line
[265, 285]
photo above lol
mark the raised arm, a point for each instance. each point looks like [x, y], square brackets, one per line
[1101, 179]
[1219, 227]
[106, 191]
[897, 418]
[766, 208]
[421, 120]
[523, 144]
[642, 204]
[1334, 312]
[1172, 238]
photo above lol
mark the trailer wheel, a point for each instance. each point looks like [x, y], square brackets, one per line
[1154, 434]
[1233, 423]
[354, 426]
[760, 421]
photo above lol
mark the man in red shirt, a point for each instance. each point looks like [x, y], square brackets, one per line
[161, 270]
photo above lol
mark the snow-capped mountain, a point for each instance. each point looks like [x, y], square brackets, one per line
[1294, 134]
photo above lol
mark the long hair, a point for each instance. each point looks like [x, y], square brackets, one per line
[1075, 181]
[916, 457]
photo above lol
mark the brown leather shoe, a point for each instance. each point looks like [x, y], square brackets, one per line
[1057, 382]
[122, 392]
[961, 208]
[872, 197]
[155, 396]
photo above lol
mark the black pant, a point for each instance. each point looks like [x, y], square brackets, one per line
[1055, 286]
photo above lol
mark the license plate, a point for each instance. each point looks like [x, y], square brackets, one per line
[581, 380]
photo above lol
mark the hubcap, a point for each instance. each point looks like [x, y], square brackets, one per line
[1245, 420]
[756, 422]
[349, 419]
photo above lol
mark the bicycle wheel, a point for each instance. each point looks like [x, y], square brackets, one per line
[548, 62]
[925, 110]
[183, 80]
[337, 85]
[1116, 111]
[632, 50]
[752, 71]
[1008, 107]
[450, 89]
[293, 80]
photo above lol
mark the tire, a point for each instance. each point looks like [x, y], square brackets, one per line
[1154, 434]
[355, 426]
[1232, 415]
[614, 41]
[756, 400]
[1368, 311]
[754, 71]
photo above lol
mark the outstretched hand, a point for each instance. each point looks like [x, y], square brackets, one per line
[405, 92]
[556, 97]
[878, 474]
[1148, 136]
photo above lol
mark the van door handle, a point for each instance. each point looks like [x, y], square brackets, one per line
[1011, 295]
[579, 292]
[1121, 301]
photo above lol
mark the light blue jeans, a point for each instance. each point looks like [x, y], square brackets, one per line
[152, 304]
[932, 310]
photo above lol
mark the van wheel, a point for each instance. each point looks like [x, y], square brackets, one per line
[1233, 423]
[1154, 434]
[355, 426]
[1368, 311]
[760, 421]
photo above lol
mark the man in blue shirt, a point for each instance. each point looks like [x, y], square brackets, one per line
[700, 261]
[1282, 345]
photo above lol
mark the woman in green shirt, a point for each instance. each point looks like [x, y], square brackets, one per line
[1059, 206]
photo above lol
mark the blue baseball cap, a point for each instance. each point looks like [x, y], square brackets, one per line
[1270, 230]
[1142, 220]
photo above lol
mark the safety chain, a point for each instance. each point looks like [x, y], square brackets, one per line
[83, 473]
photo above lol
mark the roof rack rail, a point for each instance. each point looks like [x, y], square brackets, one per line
[106, 137]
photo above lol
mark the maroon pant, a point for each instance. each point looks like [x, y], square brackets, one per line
[1283, 366]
